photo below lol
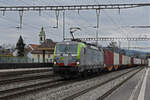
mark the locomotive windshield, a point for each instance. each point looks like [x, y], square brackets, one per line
[66, 48]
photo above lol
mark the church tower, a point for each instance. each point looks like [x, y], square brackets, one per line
[42, 36]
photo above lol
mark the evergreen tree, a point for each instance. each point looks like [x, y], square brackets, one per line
[20, 46]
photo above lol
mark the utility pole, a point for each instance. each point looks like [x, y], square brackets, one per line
[20, 15]
[63, 25]
[57, 17]
[97, 26]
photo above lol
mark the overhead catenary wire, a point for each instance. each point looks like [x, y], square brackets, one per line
[113, 22]
[55, 0]
[20, 14]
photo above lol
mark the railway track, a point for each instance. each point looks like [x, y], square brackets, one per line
[15, 72]
[10, 93]
[15, 82]
[26, 77]
[51, 83]
[18, 91]
[77, 96]
[6, 94]
[67, 88]
[10, 76]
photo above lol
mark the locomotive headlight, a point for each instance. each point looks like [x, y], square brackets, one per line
[78, 62]
[55, 62]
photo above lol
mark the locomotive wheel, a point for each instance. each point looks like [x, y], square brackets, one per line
[109, 68]
[84, 74]
[116, 67]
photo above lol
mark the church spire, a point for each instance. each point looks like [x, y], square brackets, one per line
[42, 36]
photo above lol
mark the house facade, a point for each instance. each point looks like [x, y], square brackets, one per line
[42, 52]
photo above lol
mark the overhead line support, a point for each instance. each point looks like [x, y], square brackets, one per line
[20, 15]
[71, 7]
[112, 38]
[63, 25]
[97, 26]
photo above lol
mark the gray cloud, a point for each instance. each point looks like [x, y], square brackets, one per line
[111, 22]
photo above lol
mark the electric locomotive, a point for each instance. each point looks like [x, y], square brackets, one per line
[73, 58]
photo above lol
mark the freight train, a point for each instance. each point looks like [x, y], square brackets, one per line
[74, 58]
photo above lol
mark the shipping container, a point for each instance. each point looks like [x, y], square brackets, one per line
[132, 61]
[149, 62]
[125, 60]
[129, 60]
[137, 61]
[116, 59]
[145, 62]
[120, 59]
[142, 61]
[108, 58]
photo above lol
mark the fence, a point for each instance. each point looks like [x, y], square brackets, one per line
[10, 59]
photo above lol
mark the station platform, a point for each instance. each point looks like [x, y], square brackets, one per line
[137, 88]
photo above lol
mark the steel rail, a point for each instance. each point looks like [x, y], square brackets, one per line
[25, 78]
[15, 73]
[11, 93]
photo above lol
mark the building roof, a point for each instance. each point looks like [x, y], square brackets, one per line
[48, 45]
[41, 52]
[33, 46]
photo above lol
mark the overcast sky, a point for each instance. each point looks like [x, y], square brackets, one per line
[111, 22]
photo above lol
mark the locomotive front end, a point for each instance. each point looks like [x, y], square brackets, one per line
[66, 58]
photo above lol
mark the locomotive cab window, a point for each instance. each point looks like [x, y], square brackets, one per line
[66, 48]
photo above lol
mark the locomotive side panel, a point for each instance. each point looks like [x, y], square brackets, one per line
[101, 58]
[82, 57]
[91, 58]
